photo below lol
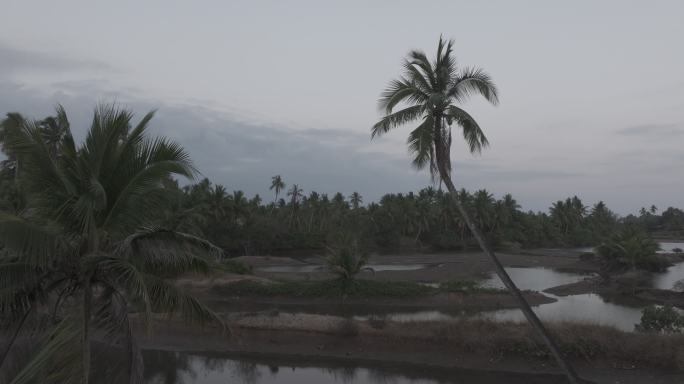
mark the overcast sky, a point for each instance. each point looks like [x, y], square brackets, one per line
[592, 93]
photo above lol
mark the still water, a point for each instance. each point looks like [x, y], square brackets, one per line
[584, 308]
[317, 268]
[163, 367]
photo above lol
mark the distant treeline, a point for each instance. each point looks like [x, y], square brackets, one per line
[426, 220]
[293, 219]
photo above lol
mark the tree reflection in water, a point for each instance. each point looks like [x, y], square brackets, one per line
[165, 367]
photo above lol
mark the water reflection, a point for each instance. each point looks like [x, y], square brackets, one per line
[587, 308]
[217, 368]
[672, 279]
[319, 268]
[535, 279]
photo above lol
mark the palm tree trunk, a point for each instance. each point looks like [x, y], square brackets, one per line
[532, 318]
[87, 302]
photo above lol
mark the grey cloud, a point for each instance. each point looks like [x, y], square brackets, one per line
[653, 130]
[14, 60]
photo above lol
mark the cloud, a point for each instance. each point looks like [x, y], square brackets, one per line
[20, 60]
[653, 130]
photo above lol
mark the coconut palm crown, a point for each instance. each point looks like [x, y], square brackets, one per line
[85, 252]
[430, 93]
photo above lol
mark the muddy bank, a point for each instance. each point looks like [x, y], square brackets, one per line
[220, 300]
[602, 354]
[589, 285]
[441, 266]
[620, 292]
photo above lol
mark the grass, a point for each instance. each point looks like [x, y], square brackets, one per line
[234, 266]
[352, 289]
[579, 341]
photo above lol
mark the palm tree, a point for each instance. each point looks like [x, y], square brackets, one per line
[295, 194]
[12, 122]
[278, 184]
[355, 199]
[54, 129]
[430, 92]
[86, 251]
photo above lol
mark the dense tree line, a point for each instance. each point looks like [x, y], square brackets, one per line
[424, 220]
[294, 219]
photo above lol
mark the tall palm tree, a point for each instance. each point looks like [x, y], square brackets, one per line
[356, 200]
[430, 92]
[278, 184]
[86, 251]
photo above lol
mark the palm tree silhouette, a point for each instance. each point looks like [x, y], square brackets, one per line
[278, 184]
[430, 92]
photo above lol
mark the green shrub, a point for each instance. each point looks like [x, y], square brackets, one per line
[346, 258]
[660, 319]
[677, 250]
[632, 248]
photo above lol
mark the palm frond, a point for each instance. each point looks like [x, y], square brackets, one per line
[59, 358]
[111, 317]
[399, 91]
[32, 243]
[396, 119]
[419, 59]
[421, 143]
[472, 133]
[165, 251]
[119, 273]
[473, 81]
[167, 298]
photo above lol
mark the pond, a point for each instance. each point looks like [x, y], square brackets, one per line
[586, 308]
[670, 278]
[535, 279]
[321, 268]
[164, 367]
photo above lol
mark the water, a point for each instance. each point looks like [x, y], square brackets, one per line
[586, 308]
[163, 367]
[321, 268]
[535, 279]
[670, 278]
[668, 247]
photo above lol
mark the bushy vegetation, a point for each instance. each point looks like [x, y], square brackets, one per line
[80, 245]
[632, 248]
[661, 319]
[346, 258]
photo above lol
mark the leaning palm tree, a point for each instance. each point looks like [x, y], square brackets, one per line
[85, 251]
[278, 184]
[430, 93]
